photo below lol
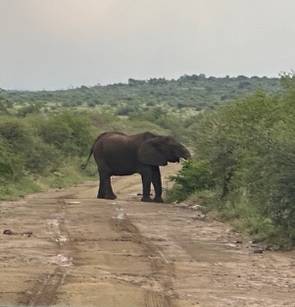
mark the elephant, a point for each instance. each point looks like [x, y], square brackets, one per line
[119, 154]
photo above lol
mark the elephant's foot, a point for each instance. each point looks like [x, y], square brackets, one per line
[140, 194]
[158, 200]
[106, 196]
[112, 196]
[146, 199]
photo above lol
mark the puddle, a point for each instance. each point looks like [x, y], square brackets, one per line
[61, 260]
[53, 223]
[121, 216]
[62, 239]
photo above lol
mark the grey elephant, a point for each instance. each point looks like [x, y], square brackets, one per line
[118, 154]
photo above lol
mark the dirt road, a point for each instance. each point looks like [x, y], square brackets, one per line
[89, 252]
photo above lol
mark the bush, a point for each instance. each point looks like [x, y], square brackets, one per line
[11, 165]
[245, 153]
[68, 132]
[194, 176]
[37, 146]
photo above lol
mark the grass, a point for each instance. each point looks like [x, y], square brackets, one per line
[13, 191]
[67, 175]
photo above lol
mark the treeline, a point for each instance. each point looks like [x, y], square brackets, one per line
[195, 91]
[244, 164]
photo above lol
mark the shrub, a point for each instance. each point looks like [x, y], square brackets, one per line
[68, 132]
[11, 165]
[249, 149]
[194, 176]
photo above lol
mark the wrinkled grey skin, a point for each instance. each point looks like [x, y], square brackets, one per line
[118, 154]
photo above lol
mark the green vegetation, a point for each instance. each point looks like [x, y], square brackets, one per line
[244, 164]
[28, 154]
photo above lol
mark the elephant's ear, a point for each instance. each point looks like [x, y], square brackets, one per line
[148, 153]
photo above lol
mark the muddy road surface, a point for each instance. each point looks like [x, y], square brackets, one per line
[67, 248]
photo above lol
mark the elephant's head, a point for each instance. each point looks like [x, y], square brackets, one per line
[159, 150]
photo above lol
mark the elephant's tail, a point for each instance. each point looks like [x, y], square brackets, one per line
[84, 165]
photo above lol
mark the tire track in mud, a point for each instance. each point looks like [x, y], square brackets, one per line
[44, 291]
[44, 294]
[162, 269]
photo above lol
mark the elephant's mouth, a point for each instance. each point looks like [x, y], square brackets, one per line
[186, 155]
[183, 153]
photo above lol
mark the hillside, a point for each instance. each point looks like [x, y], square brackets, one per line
[195, 91]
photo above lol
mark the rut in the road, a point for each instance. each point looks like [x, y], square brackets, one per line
[162, 270]
[44, 291]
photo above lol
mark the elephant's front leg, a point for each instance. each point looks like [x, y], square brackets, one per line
[146, 177]
[157, 183]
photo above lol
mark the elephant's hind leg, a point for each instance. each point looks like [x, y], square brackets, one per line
[105, 189]
[101, 192]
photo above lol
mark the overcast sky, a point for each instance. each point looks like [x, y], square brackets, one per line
[54, 44]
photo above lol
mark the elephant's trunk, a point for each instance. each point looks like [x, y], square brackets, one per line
[184, 153]
[180, 152]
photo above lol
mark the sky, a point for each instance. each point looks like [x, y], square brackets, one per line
[59, 44]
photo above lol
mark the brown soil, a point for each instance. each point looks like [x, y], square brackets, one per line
[89, 252]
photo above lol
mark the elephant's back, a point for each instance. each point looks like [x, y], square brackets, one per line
[117, 152]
